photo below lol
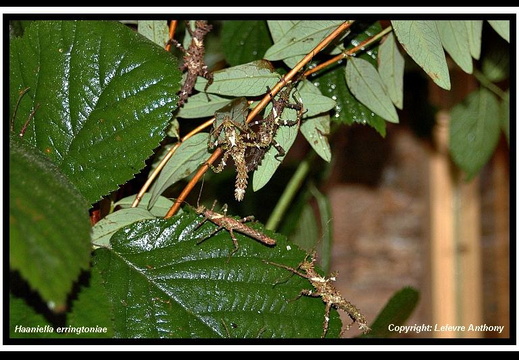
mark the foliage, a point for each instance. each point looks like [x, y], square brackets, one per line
[94, 103]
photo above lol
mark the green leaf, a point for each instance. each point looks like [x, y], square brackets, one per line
[455, 39]
[155, 30]
[103, 95]
[285, 137]
[348, 109]
[25, 322]
[251, 79]
[316, 120]
[158, 209]
[315, 130]
[278, 29]
[496, 62]
[366, 84]
[244, 41]
[391, 69]
[202, 105]
[186, 159]
[163, 284]
[91, 310]
[474, 131]
[306, 234]
[313, 101]
[474, 30]
[421, 40]
[301, 38]
[103, 230]
[49, 226]
[502, 27]
[395, 313]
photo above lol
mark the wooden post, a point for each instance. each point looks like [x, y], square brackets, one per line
[456, 277]
[443, 269]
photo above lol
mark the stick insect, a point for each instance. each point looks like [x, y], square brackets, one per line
[234, 136]
[194, 59]
[325, 289]
[268, 127]
[230, 224]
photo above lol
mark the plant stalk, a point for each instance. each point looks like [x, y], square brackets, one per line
[290, 192]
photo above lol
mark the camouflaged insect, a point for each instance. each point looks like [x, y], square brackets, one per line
[325, 289]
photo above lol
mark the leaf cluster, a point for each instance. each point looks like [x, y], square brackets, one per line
[93, 103]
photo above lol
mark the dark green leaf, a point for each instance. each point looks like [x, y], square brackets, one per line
[360, 32]
[348, 109]
[164, 283]
[92, 311]
[25, 322]
[244, 41]
[49, 227]
[395, 313]
[103, 95]
[474, 131]
[496, 62]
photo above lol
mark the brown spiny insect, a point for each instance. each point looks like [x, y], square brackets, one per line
[233, 135]
[325, 289]
[194, 59]
[230, 224]
[269, 126]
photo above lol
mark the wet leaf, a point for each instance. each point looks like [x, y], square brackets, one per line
[244, 41]
[366, 84]
[103, 96]
[163, 284]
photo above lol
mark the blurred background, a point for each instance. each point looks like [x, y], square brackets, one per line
[403, 215]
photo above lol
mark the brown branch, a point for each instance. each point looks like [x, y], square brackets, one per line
[350, 52]
[201, 171]
[261, 105]
[165, 160]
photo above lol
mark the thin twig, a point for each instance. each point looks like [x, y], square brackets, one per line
[350, 52]
[164, 161]
[172, 28]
